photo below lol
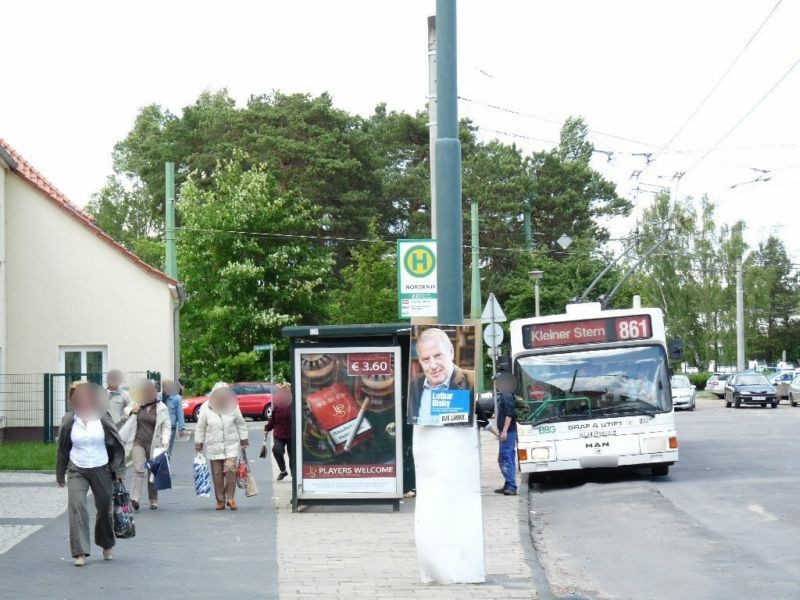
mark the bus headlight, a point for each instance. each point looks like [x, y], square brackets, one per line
[540, 454]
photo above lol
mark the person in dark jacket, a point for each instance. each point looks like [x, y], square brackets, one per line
[280, 424]
[505, 383]
[90, 456]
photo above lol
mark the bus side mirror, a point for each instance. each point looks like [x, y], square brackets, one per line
[675, 350]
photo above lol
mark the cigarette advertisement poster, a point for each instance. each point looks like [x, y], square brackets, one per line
[442, 378]
[347, 410]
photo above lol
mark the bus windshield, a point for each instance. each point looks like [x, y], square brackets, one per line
[595, 383]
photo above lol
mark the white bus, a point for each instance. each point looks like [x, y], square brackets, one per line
[596, 384]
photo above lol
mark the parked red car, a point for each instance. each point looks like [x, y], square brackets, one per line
[255, 400]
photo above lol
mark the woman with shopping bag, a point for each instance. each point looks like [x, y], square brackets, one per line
[90, 456]
[222, 431]
[146, 435]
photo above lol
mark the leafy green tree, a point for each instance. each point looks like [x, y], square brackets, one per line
[370, 294]
[242, 289]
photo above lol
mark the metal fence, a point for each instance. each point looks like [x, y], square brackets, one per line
[32, 405]
[21, 406]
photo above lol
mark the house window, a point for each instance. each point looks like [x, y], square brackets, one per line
[79, 362]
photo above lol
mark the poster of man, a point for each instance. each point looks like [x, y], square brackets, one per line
[442, 375]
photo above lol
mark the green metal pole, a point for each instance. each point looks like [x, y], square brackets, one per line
[169, 209]
[475, 297]
[526, 216]
[475, 304]
[450, 279]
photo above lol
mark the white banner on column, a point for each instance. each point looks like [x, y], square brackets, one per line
[448, 518]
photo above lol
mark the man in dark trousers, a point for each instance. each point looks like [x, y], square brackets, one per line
[507, 426]
[280, 424]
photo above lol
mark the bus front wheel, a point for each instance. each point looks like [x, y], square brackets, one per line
[660, 470]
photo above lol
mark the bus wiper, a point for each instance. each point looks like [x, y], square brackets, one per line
[574, 377]
[627, 408]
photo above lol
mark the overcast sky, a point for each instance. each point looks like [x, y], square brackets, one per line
[75, 73]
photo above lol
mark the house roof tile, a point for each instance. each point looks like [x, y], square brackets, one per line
[34, 178]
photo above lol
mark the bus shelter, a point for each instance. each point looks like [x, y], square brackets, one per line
[350, 442]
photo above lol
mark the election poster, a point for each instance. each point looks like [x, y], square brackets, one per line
[347, 412]
[441, 383]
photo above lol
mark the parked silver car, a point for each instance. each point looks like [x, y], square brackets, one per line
[782, 381]
[794, 391]
[716, 384]
[683, 392]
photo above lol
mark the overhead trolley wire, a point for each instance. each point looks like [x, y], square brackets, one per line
[719, 81]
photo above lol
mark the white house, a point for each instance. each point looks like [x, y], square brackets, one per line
[71, 298]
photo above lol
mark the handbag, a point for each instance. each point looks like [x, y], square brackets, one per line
[251, 489]
[124, 523]
[202, 476]
[242, 469]
[263, 453]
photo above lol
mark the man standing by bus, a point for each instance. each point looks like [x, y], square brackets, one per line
[507, 425]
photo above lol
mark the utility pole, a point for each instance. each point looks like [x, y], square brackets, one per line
[740, 355]
[537, 276]
[172, 262]
[169, 210]
[448, 169]
[475, 296]
[526, 220]
[432, 129]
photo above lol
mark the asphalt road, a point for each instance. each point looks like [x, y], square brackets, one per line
[725, 524]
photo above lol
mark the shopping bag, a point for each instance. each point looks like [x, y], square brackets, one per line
[202, 476]
[160, 470]
[251, 489]
[242, 469]
[124, 525]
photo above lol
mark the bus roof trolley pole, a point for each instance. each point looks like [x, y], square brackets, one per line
[606, 299]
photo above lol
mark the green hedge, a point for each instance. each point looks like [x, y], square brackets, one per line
[698, 379]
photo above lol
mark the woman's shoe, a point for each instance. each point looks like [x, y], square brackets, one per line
[153, 506]
[135, 504]
[232, 504]
[80, 560]
[220, 506]
[282, 475]
[108, 554]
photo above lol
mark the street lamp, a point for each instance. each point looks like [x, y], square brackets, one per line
[537, 275]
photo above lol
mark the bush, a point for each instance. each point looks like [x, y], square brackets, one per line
[698, 379]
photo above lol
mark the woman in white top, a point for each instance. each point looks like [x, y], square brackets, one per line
[90, 455]
[222, 430]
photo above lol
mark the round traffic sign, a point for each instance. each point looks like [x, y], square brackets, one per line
[493, 335]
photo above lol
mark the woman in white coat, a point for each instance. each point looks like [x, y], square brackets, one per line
[222, 431]
[143, 435]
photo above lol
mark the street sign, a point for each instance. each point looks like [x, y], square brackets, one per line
[493, 335]
[492, 313]
[495, 353]
[262, 347]
[416, 278]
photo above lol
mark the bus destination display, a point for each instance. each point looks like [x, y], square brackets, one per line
[590, 331]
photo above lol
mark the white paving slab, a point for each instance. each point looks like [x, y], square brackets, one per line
[32, 502]
[11, 535]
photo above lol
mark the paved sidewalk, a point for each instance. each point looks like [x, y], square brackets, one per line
[370, 555]
[28, 502]
[185, 549]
